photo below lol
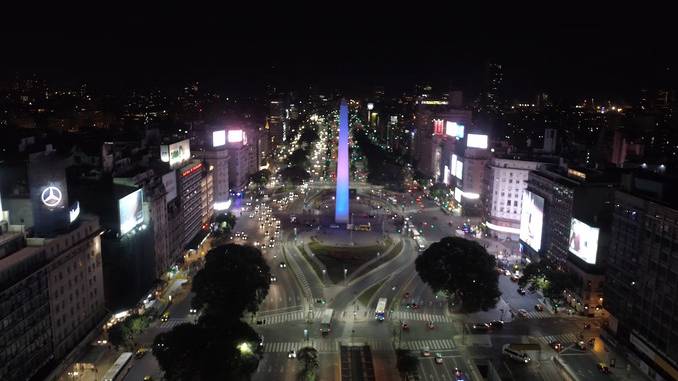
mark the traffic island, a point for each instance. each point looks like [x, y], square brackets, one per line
[340, 261]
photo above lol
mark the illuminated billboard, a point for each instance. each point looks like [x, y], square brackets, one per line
[457, 194]
[218, 138]
[235, 136]
[532, 219]
[476, 141]
[459, 170]
[176, 153]
[453, 129]
[438, 126]
[131, 211]
[584, 241]
[446, 176]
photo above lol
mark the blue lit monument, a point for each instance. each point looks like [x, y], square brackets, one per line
[341, 206]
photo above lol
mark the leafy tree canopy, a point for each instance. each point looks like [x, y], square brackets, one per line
[235, 279]
[294, 175]
[463, 269]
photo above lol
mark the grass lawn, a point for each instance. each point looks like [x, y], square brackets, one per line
[365, 297]
[316, 268]
[383, 259]
[338, 258]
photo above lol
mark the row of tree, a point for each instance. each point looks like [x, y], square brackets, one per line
[220, 346]
[383, 168]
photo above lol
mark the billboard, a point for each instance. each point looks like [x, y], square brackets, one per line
[446, 177]
[459, 170]
[476, 141]
[131, 211]
[457, 194]
[453, 129]
[178, 152]
[532, 219]
[584, 241]
[235, 136]
[218, 138]
[169, 180]
[438, 126]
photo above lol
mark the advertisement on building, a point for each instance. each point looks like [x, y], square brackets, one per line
[453, 129]
[169, 180]
[179, 152]
[459, 170]
[131, 211]
[476, 141]
[532, 220]
[584, 241]
[438, 126]
[235, 136]
[218, 138]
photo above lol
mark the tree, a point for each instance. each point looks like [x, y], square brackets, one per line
[260, 178]
[308, 136]
[294, 175]
[224, 223]
[464, 270]
[235, 279]
[547, 277]
[298, 158]
[440, 191]
[308, 357]
[406, 361]
[123, 333]
[208, 351]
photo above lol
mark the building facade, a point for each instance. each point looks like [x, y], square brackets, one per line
[504, 184]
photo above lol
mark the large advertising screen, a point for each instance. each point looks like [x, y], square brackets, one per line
[532, 219]
[459, 170]
[218, 138]
[476, 141]
[453, 129]
[584, 241]
[179, 152]
[235, 136]
[131, 211]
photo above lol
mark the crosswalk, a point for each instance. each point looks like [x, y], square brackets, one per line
[537, 315]
[408, 315]
[332, 345]
[563, 339]
[171, 323]
[287, 317]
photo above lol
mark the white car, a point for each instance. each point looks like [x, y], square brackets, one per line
[291, 354]
[426, 352]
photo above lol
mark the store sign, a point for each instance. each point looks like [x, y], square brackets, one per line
[51, 197]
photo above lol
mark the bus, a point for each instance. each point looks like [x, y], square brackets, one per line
[380, 312]
[326, 322]
[518, 352]
[114, 371]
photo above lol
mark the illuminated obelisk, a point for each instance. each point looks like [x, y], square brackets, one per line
[341, 206]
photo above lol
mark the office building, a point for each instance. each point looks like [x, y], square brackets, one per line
[215, 155]
[505, 181]
[51, 296]
[242, 162]
[641, 287]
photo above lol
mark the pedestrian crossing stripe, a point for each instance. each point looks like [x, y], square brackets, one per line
[407, 315]
[171, 323]
[538, 315]
[287, 317]
[331, 345]
[563, 339]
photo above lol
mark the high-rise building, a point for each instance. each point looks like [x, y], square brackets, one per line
[196, 197]
[215, 155]
[641, 287]
[242, 160]
[51, 295]
[505, 181]
[491, 103]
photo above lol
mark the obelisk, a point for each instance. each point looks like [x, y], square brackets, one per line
[341, 199]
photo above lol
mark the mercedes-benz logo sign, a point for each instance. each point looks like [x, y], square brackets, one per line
[51, 196]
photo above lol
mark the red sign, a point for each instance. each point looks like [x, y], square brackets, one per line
[438, 126]
[191, 170]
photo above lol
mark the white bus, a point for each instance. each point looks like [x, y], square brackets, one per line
[114, 371]
[380, 313]
[517, 352]
[326, 322]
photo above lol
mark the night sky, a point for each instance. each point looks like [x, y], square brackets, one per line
[566, 60]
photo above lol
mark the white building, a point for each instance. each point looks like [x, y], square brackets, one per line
[506, 179]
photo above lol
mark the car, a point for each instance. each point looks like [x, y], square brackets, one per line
[556, 345]
[148, 378]
[291, 354]
[603, 368]
[165, 317]
[581, 345]
[439, 358]
[521, 291]
[414, 306]
[507, 272]
[192, 311]
[270, 245]
[405, 326]
[515, 278]
[522, 313]
[496, 324]
[406, 295]
[458, 374]
[539, 307]
[283, 265]
[481, 327]
[426, 352]
[273, 278]
[141, 352]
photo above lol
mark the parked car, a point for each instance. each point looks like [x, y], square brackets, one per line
[539, 307]
[522, 313]
[521, 291]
